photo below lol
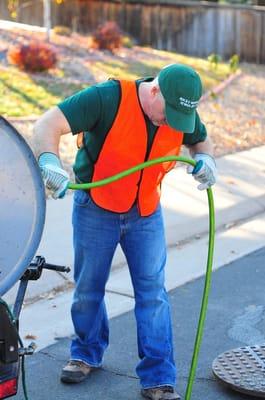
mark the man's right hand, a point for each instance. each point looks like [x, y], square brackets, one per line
[55, 177]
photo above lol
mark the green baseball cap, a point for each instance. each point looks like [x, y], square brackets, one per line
[181, 88]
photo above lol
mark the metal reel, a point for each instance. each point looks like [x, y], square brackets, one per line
[22, 206]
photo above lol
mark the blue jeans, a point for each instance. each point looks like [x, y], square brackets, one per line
[97, 233]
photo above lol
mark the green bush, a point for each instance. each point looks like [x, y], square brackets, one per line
[214, 60]
[127, 42]
[234, 63]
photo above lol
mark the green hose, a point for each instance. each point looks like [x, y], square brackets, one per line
[203, 311]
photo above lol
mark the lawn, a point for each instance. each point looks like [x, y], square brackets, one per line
[148, 66]
[24, 94]
[27, 94]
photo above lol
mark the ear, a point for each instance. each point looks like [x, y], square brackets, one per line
[155, 90]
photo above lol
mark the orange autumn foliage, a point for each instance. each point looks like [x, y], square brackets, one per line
[33, 57]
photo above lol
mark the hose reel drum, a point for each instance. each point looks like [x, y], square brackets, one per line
[22, 206]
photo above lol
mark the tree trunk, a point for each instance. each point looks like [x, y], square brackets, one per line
[47, 17]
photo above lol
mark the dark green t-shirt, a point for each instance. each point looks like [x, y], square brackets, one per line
[93, 111]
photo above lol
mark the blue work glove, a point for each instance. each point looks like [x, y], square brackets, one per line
[55, 177]
[204, 171]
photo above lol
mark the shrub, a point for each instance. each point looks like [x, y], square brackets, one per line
[234, 63]
[33, 57]
[62, 30]
[127, 42]
[214, 60]
[12, 6]
[107, 36]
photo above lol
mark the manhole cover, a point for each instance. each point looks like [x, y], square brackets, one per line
[242, 369]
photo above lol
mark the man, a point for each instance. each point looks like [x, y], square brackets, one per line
[125, 123]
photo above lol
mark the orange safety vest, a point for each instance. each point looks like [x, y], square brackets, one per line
[125, 146]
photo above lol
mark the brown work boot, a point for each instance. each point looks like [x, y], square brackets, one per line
[160, 393]
[75, 371]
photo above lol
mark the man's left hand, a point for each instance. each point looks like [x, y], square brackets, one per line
[204, 171]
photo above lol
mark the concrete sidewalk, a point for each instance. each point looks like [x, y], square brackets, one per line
[240, 224]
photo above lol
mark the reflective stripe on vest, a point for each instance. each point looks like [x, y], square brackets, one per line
[125, 146]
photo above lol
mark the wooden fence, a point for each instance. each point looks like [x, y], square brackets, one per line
[194, 28]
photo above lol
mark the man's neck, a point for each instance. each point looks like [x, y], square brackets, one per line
[143, 94]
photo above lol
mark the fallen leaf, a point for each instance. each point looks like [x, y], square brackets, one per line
[29, 336]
